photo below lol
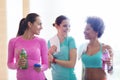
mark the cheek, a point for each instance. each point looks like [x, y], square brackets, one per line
[92, 34]
[86, 32]
[64, 29]
[60, 30]
[37, 27]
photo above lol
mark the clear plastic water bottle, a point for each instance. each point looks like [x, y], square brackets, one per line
[23, 55]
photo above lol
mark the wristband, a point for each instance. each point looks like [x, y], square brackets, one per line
[54, 60]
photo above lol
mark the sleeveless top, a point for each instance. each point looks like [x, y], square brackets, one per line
[92, 61]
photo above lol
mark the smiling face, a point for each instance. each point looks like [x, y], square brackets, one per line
[64, 28]
[36, 26]
[89, 32]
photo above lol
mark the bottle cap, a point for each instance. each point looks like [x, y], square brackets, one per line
[23, 50]
[37, 65]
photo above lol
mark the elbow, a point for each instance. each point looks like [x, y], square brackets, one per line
[47, 67]
[71, 65]
[44, 67]
[8, 65]
[11, 66]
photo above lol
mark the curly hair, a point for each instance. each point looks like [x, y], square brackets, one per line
[97, 24]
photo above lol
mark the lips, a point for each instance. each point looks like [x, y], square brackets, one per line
[86, 36]
[66, 31]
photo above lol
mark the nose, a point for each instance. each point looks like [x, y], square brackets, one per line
[41, 27]
[68, 27]
[84, 32]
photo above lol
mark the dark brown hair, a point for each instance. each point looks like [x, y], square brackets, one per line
[23, 25]
[59, 19]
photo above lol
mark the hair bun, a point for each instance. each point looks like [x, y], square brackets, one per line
[53, 24]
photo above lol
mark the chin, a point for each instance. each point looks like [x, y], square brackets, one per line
[86, 38]
[37, 33]
[65, 35]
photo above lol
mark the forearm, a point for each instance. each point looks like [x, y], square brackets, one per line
[44, 55]
[49, 64]
[44, 67]
[111, 56]
[68, 64]
[10, 62]
[12, 65]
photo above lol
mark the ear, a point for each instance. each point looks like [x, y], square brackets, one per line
[29, 24]
[97, 33]
[56, 26]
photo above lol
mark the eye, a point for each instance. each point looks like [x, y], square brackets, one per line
[66, 25]
[40, 24]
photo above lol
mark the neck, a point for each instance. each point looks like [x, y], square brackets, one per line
[28, 35]
[94, 42]
[61, 38]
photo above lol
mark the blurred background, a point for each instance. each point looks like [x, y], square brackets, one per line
[12, 11]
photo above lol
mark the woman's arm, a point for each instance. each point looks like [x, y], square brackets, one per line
[71, 62]
[44, 55]
[110, 52]
[110, 60]
[72, 55]
[11, 64]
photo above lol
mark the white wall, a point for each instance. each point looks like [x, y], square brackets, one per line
[77, 11]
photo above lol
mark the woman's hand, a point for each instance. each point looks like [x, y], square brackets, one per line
[22, 62]
[109, 61]
[109, 65]
[37, 69]
[50, 58]
[52, 49]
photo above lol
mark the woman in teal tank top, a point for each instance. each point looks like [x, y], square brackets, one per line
[62, 51]
[92, 57]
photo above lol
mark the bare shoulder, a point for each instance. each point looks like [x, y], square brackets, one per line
[105, 46]
[108, 47]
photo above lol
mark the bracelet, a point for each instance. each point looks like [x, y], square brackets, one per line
[54, 60]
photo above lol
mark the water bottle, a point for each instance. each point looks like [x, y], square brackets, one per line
[23, 55]
[105, 57]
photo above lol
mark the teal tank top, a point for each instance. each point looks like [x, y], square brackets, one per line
[92, 61]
